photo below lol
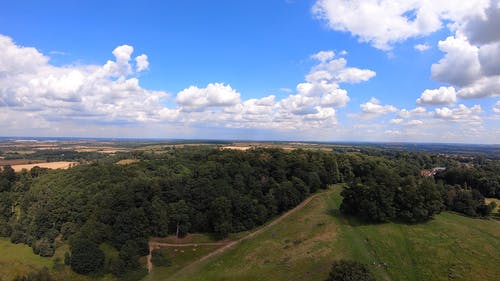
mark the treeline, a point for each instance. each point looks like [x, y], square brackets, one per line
[382, 191]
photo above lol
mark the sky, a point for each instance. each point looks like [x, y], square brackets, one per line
[305, 70]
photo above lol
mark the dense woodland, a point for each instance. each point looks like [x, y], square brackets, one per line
[221, 192]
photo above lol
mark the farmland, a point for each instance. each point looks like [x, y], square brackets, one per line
[48, 165]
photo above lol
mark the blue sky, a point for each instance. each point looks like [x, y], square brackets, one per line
[247, 70]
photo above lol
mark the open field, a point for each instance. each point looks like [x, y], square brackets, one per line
[50, 165]
[18, 259]
[127, 161]
[13, 162]
[301, 247]
[180, 256]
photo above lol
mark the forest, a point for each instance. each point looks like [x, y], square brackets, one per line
[207, 190]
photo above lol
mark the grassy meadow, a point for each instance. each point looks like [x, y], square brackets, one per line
[19, 260]
[449, 247]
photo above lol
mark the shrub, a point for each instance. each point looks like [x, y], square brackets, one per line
[158, 259]
[86, 257]
[345, 270]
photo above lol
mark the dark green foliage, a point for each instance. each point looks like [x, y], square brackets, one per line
[484, 178]
[467, 201]
[158, 259]
[378, 193]
[345, 270]
[86, 257]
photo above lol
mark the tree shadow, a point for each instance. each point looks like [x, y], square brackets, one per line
[350, 219]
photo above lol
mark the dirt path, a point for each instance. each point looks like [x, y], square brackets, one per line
[226, 245]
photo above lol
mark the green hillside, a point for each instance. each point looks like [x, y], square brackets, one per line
[449, 247]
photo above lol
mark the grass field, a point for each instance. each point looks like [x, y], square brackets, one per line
[179, 257]
[302, 247]
[19, 259]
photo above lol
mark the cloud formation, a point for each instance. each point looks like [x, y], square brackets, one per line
[385, 22]
[83, 93]
[110, 95]
[441, 96]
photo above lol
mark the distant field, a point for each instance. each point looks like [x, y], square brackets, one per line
[127, 161]
[50, 165]
[12, 162]
[302, 247]
[237, 147]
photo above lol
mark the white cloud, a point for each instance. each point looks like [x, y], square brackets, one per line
[422, 47]
[15, 60]
[483, 28]
[414, 123]
[396, 121]
[441, 96]
[385, 22]
[373, 107]
[460, 65]
[323, 56]
[82, 93]
[489, 57]
[471, 62]
[483, 87]
[215, 94]
[461, 113]
[142, 62]
[496, 108]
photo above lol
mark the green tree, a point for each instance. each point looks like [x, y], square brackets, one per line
[180, 216]
[86, 257]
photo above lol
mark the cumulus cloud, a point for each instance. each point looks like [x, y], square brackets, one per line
[111, 94]
[419, 111]
[214, 94]
[461, 113]
[489, 58]
[384, 23]
[422, 47]
[414, 123]
[312, 105]
[396, 121]
[472, 56]
[83, 93]
[374, 107]
[441, 96]
[141, 62]
[460, 65]
[483, 28]
[323, 55]
[496, 108]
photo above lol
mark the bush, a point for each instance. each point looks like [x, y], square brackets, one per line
[43, 247]
[86, 257]
[345, 270]
[158, 259]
